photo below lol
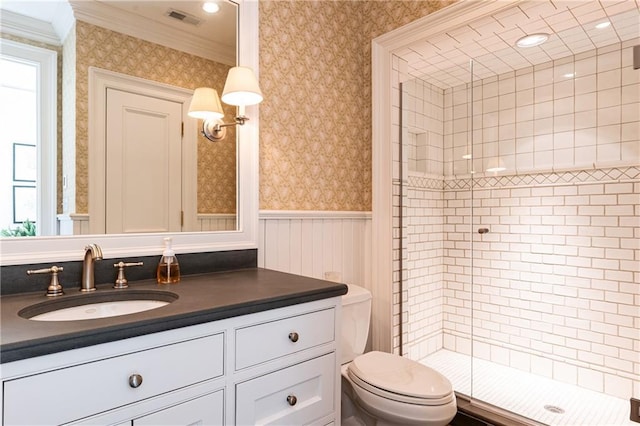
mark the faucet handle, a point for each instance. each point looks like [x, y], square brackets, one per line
[121, 281]
[54, 289]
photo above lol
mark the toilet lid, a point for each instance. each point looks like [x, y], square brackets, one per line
[400, 375]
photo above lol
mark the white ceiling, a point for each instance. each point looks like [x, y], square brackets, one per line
[213, 37]
[490, 41]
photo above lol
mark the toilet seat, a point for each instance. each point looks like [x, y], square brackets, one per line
[400, 379]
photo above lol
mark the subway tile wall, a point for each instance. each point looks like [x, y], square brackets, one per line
[556, 281]
[425, 265]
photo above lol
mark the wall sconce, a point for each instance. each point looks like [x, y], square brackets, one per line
[240, 89]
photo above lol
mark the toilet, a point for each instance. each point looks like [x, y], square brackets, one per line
[383, 389]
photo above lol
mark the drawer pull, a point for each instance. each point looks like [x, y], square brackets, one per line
[293, 337]
[292, 400]
[135, 380]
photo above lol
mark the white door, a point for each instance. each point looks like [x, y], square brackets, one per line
[143, 163]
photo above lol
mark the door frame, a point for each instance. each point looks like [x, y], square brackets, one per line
[99, 81]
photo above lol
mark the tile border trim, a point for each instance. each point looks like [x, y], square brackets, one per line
[572, 177]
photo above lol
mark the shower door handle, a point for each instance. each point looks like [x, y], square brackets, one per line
[483, 230]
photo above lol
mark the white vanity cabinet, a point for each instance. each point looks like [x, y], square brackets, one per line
[278, 366]
[295, 395]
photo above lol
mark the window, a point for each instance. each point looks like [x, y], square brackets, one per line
[28, 137]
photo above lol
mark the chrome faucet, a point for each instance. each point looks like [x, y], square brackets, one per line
[92, 252]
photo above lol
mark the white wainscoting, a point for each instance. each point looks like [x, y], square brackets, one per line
[216, 222]
[311, 243]
[73, 224]
[78, 224]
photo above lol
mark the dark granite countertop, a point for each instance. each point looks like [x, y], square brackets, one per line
[201, 298]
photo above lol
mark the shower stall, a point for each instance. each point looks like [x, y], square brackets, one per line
[520, 209]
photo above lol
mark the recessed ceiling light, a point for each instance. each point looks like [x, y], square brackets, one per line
[532, 40]
[602, 25]
[210, 7]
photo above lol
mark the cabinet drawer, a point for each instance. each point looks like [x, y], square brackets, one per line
[205, 410]
[71, 393]
[264, 342]
[265, 400]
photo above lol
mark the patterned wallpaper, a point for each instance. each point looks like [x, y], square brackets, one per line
[315, 73]
[117, 52]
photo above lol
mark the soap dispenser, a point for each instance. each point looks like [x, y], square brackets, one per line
[168, 271]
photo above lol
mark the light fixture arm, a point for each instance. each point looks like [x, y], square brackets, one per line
[240, 120]
[215, 129]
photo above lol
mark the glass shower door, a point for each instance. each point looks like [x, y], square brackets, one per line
[435, 190]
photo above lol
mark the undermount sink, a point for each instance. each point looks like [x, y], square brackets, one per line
[97, 305]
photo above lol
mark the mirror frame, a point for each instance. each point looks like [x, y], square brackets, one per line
[28, 250]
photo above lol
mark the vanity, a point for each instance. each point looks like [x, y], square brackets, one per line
[241, 347]
[235, 347]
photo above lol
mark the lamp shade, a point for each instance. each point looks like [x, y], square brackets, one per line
[241, 87]
[205, 104]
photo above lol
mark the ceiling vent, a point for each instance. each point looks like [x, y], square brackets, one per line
[183, 16]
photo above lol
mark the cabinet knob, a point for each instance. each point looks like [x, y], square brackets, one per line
[135, 380]
[293, 336]
[292, 400]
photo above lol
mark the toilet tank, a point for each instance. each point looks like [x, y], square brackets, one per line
[356, 316]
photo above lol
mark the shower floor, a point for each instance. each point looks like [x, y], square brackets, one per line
[527, 394]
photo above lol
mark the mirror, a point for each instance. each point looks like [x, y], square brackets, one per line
[169, 43]
[66, 248]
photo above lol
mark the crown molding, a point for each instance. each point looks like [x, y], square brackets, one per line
[31, 28]
[143, 28]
